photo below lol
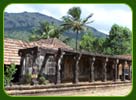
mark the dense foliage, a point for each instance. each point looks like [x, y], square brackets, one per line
[87, 42]
[46, 30]
[117, 43]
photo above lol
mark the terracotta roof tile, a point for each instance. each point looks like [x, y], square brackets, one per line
[53, 43]
[127, 56]
[11, 47]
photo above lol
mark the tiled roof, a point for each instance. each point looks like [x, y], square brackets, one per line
[128, 56]
[11, 47]
[53, 43]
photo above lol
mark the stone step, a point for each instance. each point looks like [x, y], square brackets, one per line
[61, 89]
[27, 87]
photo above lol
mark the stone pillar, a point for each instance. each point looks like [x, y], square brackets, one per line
[115, 69]
[58, 66]
[76, 69]
[123, 70]
[27, 67]
[105, 70]
[130, 71]
[41, 71]
[23, 65]
[118, 72]
[34, 75]
[92, 60]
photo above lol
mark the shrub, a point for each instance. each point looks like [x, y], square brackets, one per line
[42, 80]
[8, 74]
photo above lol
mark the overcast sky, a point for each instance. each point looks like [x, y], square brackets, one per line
[105, 15]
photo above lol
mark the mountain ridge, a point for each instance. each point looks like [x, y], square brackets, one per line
[25, 23]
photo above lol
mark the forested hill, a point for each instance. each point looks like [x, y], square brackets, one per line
[16, 24]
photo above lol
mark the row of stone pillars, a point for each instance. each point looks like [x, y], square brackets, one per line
[92, 61]
[124, 63]
[59, 59]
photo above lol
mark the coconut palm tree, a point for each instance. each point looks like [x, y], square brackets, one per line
[73, 21]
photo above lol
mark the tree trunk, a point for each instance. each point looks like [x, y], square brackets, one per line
[76, 39]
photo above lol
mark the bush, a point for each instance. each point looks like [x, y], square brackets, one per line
[8, 74]
[42, 80]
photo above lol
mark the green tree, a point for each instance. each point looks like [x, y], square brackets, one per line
[98, 45]
[47, 30]
[127, 49]
[65, 39]
[73, 21]
[34, 37]
[91, 43]
[87, 42]
[119, 41]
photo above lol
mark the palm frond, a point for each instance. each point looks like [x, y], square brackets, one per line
[87, 18]
[90, 22]
[75, 12]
